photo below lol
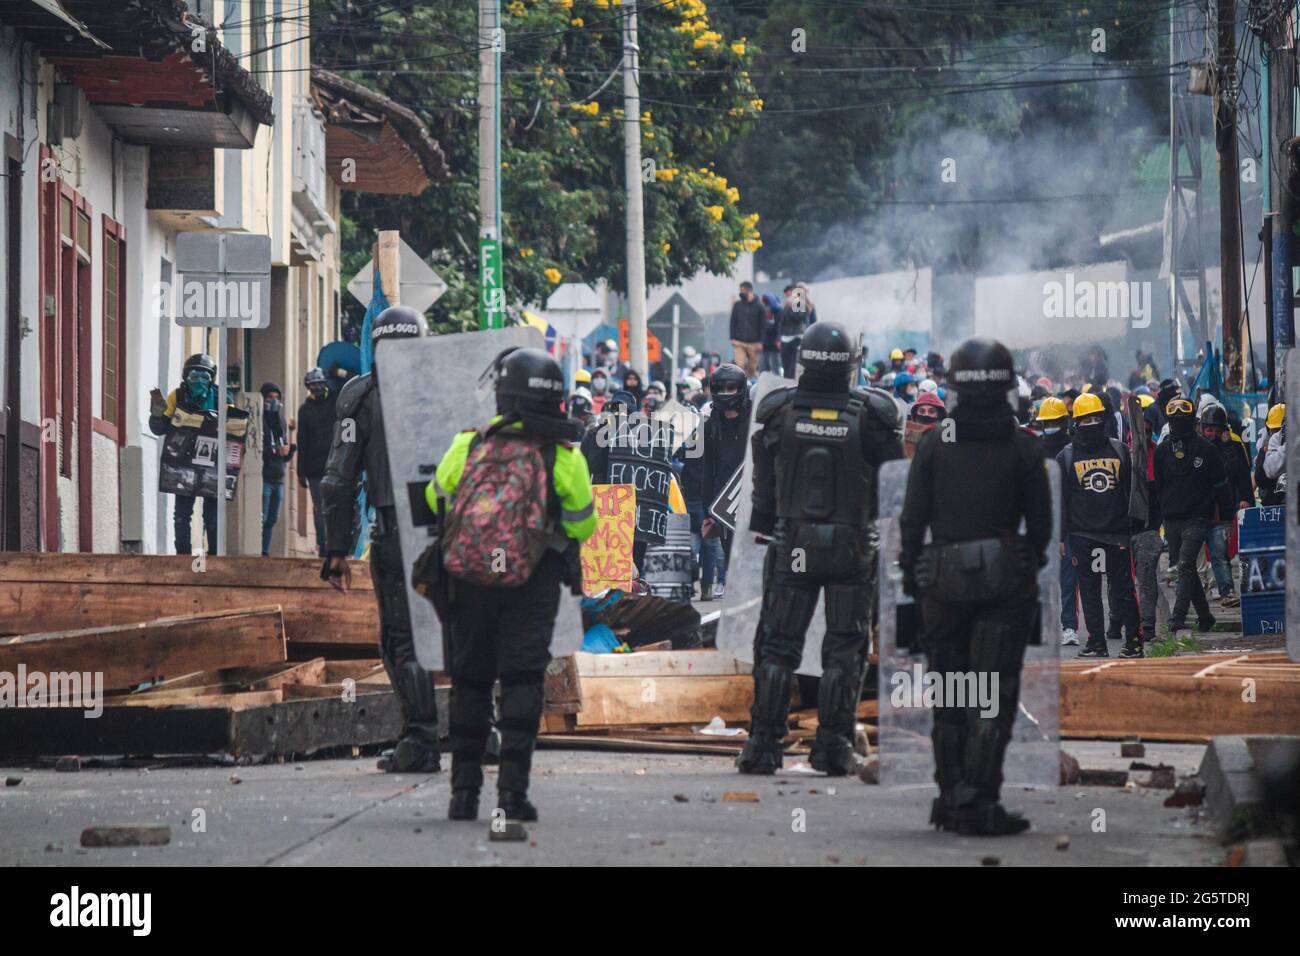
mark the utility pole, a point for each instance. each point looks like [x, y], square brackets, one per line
[1225, 130]
[1280, 123]
[636, 317]
[491, 43]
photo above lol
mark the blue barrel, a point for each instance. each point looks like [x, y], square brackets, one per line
[1261, 544]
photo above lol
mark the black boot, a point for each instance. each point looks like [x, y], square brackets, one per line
[768, 720]
[411, 756]
[989, 819]
[942, 816]
[837, 712]
[417, 750]
[464, 805]
[948, 736]
[515, 807]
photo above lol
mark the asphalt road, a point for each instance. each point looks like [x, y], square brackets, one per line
[596, 809]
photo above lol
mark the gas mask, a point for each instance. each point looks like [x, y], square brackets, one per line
[198, 384]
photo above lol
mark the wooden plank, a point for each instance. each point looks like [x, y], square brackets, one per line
[1175, 707]
[622, 701]
[173, 571]
[232, 679]
[67, 591]
[136, 653]
[336, 671]
[303, 726]
[562, 687]
[228, 701]
[660, 664]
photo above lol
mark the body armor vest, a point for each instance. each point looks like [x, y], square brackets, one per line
[821, 476]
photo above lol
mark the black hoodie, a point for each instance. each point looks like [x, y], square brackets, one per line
[1095, 477]
[1189, 474]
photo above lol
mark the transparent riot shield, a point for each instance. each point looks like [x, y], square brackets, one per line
[1292, 514]
[740, 608]
[906, 759]
[430, 391]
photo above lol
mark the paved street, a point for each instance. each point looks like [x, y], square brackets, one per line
[597, 809]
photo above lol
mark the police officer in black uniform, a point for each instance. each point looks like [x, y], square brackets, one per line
[359, 446]
[815, 459]
[971, 485]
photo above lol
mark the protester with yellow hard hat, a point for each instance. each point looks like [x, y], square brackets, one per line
[1053, 425]
[1270, 462]
[1095, 524]
[896, 360]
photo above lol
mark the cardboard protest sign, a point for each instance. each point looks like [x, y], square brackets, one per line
[607, 554]
[189, 454]
[640, 455]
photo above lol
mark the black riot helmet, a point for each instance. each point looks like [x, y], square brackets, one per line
[314, 376]
[529, 381]
[729, 388]
[395, 322]
[827, 358]
[981, 372]
[1214, 414]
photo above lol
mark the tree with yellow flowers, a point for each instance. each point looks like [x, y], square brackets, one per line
[562, 138]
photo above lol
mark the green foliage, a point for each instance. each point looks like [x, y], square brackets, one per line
[562, 174]
[1173, 645]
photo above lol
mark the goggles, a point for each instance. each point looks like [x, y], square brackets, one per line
[1179, 406]
[198, 376]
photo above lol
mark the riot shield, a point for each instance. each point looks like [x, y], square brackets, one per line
[1292, 509]
[189, 464]
[739, 610]
[906, 757]
[430, 391]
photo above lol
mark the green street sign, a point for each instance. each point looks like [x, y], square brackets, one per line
[491, 296]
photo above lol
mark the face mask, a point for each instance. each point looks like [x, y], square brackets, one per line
[274, 405]
[598, 385]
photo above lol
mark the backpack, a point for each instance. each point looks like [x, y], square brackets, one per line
[499, 523]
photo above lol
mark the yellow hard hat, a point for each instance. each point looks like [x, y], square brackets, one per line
[582, 377]
[896, 354]
[1051, 409]
[1276, 416]
[1088, 404]
[1145, 400]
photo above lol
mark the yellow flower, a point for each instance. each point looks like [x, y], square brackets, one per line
[576, 22]
[715, 212]
[645, 117]
[756, 105]
[566, 4]
[666, 246]
[752, 245]
[733, 195]
[573, 131]
[516, 7]
[738, 48]
[525, 253]
[553, 274]
[603, 4]
[665, 175]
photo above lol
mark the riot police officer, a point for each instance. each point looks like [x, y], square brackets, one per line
[359, 446]
[972, 485]
[815, 459]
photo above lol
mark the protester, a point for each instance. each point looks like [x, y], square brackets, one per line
[794, 319]
[1238, 493]
[1095, 523]
[770, 361]
[315, 435]
[1188, 474]
[746, 330]
[196, 394]
[275, 452]
[724, 435]
[1272, 448]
